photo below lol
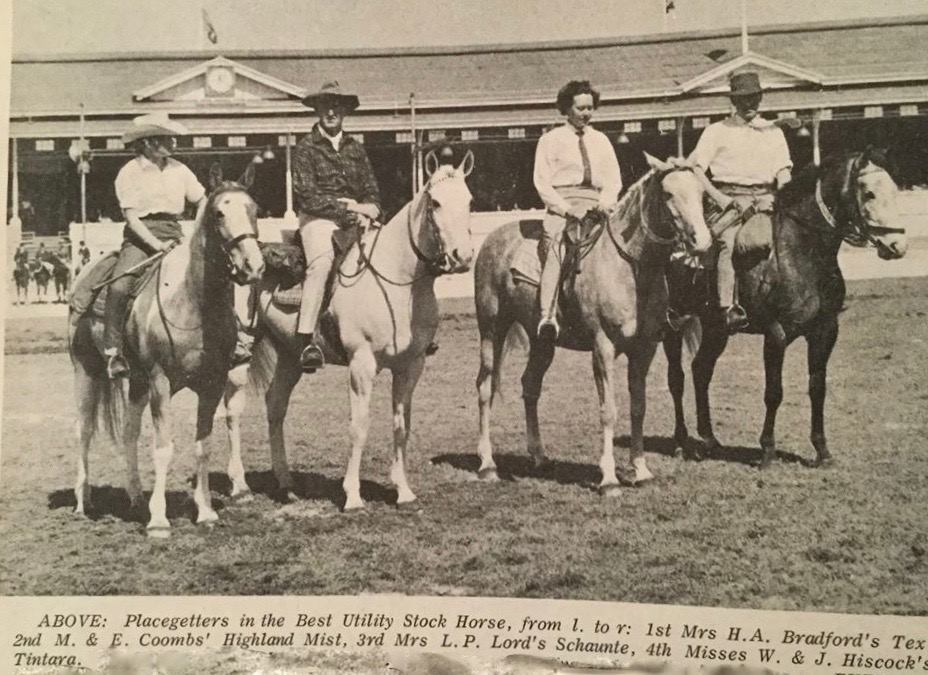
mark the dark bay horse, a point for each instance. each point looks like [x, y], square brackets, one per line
[22, 275]
[383, 315]
[180, 334]
[42, 271]
[794, 289]
[61, 276]
[621, 307]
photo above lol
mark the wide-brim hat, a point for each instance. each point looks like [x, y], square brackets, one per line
[154, 124]
[331, 91]
[745, 84]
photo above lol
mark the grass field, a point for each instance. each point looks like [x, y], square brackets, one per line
[719, 532]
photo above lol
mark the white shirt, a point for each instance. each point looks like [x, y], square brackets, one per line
[558, 163]
[142, 186]
[335, 140]
[744, 153]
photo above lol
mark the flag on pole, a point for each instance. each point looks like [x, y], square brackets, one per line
[209, 29]
[669, 6]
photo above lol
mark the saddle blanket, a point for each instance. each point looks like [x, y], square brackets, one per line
[525, 266]
[84, 300]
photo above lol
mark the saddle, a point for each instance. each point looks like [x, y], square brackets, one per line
[85, 300]
[285, 265]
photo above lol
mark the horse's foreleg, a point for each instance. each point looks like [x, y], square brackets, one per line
[277, 400]
[820, 344]
[639, 362]
[235, 398]
[207, 402]
[673, 350]
[603, 372]
[713, 344]
[540, 355]
[162, 451]
[404, 384]
[491, 351]
[774, 349]
[361, 369]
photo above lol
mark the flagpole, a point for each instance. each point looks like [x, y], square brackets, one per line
[744, 26]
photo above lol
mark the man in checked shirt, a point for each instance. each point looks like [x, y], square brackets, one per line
[335, 188]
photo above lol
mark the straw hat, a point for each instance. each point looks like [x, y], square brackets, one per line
[745, 84]
[154, 124]
[331, 91]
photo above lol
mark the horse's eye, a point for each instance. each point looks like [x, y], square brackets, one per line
[436, 203]
[869, 194]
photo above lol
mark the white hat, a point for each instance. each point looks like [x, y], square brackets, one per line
[154, 124]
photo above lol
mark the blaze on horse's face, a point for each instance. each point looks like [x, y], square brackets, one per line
[450, 203]
[236, 217]
[683, 194]
[876, 193]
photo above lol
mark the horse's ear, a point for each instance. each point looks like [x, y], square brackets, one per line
[248, 176]
[431, 162]
[215, 176]
[657, 164]
[467, 164]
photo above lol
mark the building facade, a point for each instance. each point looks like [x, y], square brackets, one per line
[837, 87]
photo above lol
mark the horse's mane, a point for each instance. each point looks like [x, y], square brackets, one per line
[803, 183]
[631, 196]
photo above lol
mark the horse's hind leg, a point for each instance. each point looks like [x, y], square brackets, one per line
[361, 369]
[87, 395]
[603, 367]
[404, 384]
[673, 350]
[235, 398]
[540, 355]
[277, 400]
[820, 343]
[162, 452]
[138, 400]
[491, 352]
[639, 362]
[207, 402]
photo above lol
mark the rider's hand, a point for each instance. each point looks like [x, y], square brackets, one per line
[166, 246]
[577, 212]
[369, 210]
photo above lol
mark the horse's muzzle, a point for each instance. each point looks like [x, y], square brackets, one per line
[892, 250]
[454, 262]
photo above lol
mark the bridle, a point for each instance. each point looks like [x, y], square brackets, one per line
[857, 231]
[435, 266]
[228, 245]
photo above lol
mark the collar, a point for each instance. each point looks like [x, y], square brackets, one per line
[757, 122]
[319, 135]
[145, 163]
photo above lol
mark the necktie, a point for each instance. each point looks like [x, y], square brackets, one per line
[585, 157]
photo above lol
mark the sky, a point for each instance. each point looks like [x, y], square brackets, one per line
[95, 26]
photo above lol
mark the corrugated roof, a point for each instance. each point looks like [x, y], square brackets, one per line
[629, 68]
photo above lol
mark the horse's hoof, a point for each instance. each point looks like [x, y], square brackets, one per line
[242, 497]
[643, 474]
[158, 532]
[353, 505]
[207, 517]
[541, 463]
[610, 490]
[823, 462]
[488, 475]
[409, 505]
[283, 496]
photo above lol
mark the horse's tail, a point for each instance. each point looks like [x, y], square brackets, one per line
[111, 408]
[691, 330]
[516, 338]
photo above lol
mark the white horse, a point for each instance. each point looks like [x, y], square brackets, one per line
[383, 315]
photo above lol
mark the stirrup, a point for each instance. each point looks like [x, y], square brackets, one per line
[431, 349]
[735, 317]
[311, 359]
[548, 329]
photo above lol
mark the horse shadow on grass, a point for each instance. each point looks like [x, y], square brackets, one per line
[511, 466]
[307, 486]
[113, 502]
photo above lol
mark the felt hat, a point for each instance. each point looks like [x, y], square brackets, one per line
[744, 84]
[328, 92]
[154, 124]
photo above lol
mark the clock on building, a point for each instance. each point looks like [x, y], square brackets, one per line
[220, 81]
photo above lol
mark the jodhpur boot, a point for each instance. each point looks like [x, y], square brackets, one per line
[735, 318]
[311, 358]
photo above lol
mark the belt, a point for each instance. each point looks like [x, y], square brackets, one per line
[161, 216]
[750, 189]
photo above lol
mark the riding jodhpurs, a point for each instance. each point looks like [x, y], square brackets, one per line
[761, 198]
[316, 239]
[117, 299]
[552, 231]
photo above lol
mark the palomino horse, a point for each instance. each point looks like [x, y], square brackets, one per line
[796, 290]
[22, 275]
[383, 314]
[180, 333]
[621, 307]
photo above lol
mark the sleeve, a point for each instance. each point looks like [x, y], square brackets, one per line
[781, 153]
[705, 149]
[612, 175]
[370, 192]
[305, 186]
[127, 192]
[193, 188]
[542, 177]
